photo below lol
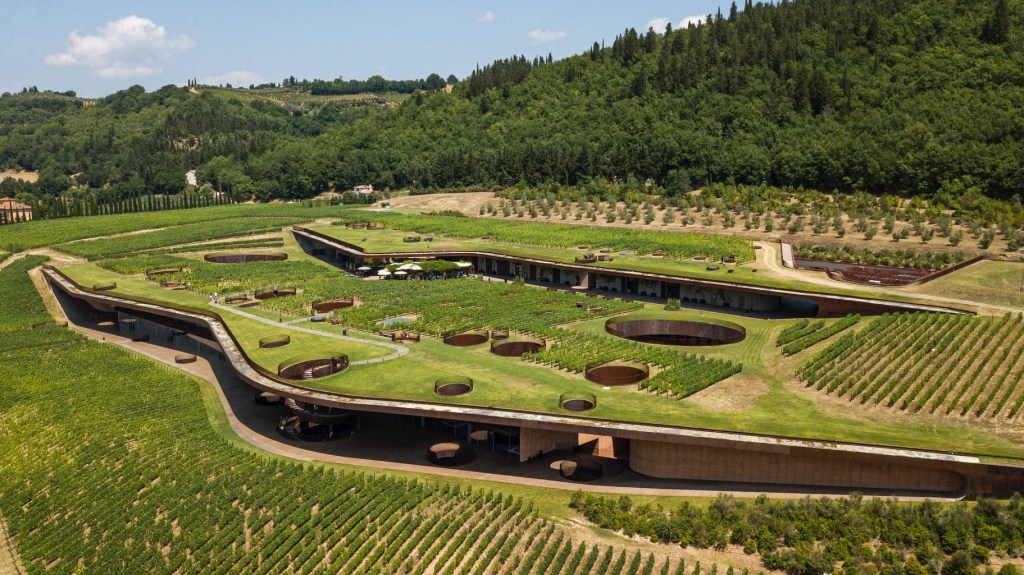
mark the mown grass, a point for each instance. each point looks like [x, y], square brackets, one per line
[991, 282]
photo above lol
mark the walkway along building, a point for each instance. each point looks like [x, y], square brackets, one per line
[12, 210]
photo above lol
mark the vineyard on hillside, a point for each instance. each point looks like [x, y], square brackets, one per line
[930, 363]
[101, 474]
[39, 233]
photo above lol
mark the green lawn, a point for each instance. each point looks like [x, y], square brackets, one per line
[986, 281]
[518, 384]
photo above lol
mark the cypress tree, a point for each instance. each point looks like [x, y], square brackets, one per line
[997, 28]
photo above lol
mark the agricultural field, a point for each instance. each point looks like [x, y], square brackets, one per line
[174, 236]
[826, 221]
[939, 364]
[41, 233]
[312, 518]
[565, 236]
[167, 493]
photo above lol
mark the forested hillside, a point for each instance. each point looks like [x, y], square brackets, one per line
[893, 96]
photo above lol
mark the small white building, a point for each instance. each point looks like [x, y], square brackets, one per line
[190, 178]
[364, 190]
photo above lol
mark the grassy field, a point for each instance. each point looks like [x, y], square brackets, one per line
[985, 281]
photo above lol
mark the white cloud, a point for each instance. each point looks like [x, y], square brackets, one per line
[658, 24]
[236, 78]
[691, 19]
[539, 36]
[487, 16]
[124, 48]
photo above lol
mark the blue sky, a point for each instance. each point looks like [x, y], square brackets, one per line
[98, 47]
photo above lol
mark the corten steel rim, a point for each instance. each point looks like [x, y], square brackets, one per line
[280, 293]
[466, 338]
[405, 337]
[577, 401]
[517, 347]
[306, 367]
[244, 258]
[275, 341]
[617, 373]
[163, 271]
[236, 298]
[453, 386]
[333, 304]
[676, 331]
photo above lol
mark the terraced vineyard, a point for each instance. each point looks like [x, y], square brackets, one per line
[931, 363]
[110, 465]
[174, 236]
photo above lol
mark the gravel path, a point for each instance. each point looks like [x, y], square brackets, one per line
[399, 350]
[768, 256]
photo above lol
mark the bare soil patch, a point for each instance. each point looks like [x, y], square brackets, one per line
[739, 392]
[121, 235]
[18, 175]
[581, 530]
[468, 203]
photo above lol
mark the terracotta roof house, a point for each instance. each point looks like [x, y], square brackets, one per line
[12, 210]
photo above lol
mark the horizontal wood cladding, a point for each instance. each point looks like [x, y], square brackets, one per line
[789, 467]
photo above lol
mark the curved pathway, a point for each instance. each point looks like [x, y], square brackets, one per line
[769, 257]
[399, 350]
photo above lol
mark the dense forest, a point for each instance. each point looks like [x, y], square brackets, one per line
[879, 96]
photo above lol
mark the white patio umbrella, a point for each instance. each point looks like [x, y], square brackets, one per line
[410, 267]
[464, 264]
[383, 273]
[401, 273]
[363, 268]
